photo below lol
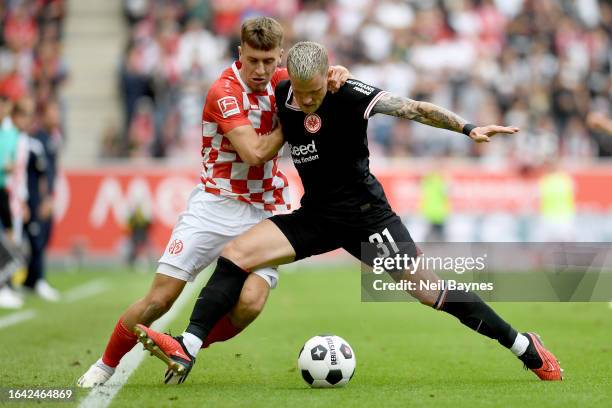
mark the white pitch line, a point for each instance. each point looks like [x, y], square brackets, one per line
[72, 295]
[15, 318]
[85, 290]
[102, 396]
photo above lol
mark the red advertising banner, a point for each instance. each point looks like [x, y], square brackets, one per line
[93, 205]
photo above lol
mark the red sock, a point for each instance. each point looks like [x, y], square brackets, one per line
[223, 330]
[121, 341]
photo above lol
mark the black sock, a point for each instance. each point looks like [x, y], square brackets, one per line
[217, 298]
[473, 312]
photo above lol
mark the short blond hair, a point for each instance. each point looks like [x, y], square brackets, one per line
[306, 59]
[262, 33]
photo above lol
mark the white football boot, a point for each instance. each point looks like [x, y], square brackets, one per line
[98, 374]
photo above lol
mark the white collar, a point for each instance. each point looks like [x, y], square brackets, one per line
[288, 101]
[237, 73]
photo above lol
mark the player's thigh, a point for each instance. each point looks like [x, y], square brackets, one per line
[383, 240]
[261, 246]
[392, 239]
[282, 239]
[201, 232]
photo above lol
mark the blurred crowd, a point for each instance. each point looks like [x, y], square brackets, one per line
[31, 62]
[32, 72]
[542, 65]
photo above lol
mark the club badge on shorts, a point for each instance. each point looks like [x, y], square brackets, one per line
[312, 122]
[175, 247]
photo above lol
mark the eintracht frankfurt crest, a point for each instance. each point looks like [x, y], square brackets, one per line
[312, 122]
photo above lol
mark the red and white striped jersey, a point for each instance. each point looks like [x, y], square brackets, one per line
[231, 103]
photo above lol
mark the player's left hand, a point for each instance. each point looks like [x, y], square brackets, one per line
[484, 133]
[336, 77]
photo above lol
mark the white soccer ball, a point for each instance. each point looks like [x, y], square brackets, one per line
[326, 361]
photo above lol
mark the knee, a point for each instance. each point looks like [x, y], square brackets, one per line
[235, 253]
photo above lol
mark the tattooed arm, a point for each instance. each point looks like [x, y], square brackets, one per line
[424, 112]
[433, 115]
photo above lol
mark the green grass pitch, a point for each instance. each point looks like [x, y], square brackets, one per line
[407, 354]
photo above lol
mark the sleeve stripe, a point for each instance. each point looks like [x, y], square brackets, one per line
[366, 114]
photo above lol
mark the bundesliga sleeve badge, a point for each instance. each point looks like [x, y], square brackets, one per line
[228, 105]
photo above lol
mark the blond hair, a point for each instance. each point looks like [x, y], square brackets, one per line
[306, 59]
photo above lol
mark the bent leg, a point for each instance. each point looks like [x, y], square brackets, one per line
[468, 307]
[252, 300]
[262, 245]
[162, 294]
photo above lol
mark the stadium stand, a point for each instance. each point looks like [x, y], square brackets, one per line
[540, 65]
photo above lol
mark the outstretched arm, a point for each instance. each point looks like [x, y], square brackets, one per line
[433, 115]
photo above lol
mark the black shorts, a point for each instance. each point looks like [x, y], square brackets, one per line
[5, 210]
[311, 233]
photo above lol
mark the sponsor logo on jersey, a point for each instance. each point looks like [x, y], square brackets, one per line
[175, 247]
[304, 153]
[312, 122]
[228, 105]
[303, 150]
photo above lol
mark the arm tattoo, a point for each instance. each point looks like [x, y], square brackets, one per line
[423, 112]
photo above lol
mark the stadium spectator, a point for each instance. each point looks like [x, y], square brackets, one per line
[23, 119]
[557, 205]
[435, 204]
[139, 225]
[12, 143]
[8, 135]
[42, 170]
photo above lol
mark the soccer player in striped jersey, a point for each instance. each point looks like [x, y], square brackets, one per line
[240, 185]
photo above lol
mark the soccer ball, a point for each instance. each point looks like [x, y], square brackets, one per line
[326, 361]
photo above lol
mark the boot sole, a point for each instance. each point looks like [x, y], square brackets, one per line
[150, 346]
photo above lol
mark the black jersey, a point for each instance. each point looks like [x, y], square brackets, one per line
[329, 149]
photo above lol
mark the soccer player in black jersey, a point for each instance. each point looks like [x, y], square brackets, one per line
[343, 205]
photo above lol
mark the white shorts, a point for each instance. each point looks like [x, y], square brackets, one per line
[202, 230]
